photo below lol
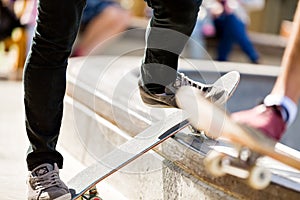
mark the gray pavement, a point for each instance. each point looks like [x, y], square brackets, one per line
[14, 144]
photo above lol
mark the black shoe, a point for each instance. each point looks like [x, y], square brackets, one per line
[219, 92]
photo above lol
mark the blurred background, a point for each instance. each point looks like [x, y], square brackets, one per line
[267, 23]
[257, 32]
[250, 34]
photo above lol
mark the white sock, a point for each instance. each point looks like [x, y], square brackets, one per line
[290, 109]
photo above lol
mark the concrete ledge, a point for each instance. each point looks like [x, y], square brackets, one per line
[192, 163]
[105, 108]
[146, 178]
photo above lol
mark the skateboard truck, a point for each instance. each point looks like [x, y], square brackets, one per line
[243, 166]
[91, 194]
[199, 133]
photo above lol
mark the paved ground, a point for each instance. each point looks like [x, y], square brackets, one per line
[14, 143]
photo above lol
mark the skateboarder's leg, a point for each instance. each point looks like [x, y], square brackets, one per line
[226, 39]
[171, 26]
[45, 81]
[280, 107]
[287, 83]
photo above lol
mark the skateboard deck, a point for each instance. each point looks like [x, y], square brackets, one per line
[143, 142]
[126, 153]
[250, 144]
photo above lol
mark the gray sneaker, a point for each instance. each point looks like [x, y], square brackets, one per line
[44, 184]
[218, 92]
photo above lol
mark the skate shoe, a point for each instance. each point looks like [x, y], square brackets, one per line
[267, 119]
[215, 92]
[44, 184]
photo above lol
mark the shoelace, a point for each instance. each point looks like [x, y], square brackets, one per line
[183, 80]
[44, 182]
[210, 92]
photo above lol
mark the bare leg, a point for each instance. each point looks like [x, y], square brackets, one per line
[279, 108]
[111, 21]
[288, 82]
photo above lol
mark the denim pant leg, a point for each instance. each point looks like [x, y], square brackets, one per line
[170, 27]
[232, 30]
[45, 77]
[225, 36]
[242, 38]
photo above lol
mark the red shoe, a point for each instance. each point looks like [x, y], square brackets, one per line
[266, 119]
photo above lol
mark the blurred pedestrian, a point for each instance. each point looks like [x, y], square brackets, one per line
[231, 19]
[101, 20]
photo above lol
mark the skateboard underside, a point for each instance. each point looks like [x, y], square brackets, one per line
[225, 156]
[126, 153]
[249, 144]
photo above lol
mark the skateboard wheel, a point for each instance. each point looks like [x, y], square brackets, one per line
[96, 198]
[259, 177]
[91, 198]
[213, 163]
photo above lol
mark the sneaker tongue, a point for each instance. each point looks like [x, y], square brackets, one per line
[42, 169]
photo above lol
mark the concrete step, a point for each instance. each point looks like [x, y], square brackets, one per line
[106, 109]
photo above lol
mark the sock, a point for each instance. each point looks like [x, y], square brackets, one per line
[289, 108]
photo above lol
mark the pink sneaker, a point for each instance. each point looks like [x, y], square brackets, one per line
[266, 119]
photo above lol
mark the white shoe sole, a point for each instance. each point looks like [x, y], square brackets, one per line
[64, 197]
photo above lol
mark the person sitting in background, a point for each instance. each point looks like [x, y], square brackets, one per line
[101, 19]
[230, 20]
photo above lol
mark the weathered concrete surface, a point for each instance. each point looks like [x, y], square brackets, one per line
[192, 163]
[181, 185]
[108, 87]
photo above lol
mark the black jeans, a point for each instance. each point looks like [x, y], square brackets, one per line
[45, 77]
[45, 70]
[171, 26]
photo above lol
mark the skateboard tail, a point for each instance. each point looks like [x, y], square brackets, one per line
[190, 100]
